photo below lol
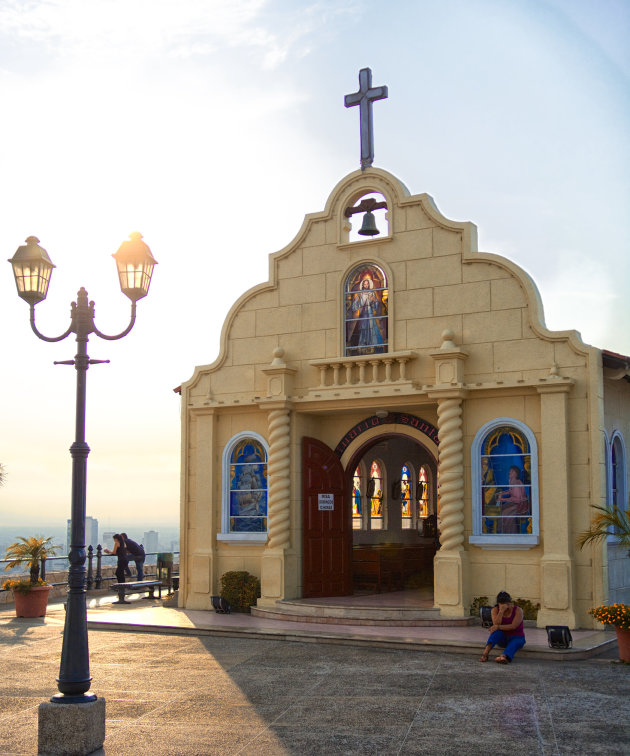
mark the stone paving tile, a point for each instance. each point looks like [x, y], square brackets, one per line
[182, 740]
[591, 706]
[9, 706]
[279, 740]
[200, 708]
[612, 738]
[19, 735]
[368, 713]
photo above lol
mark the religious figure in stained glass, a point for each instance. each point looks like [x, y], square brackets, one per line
[248, 487]
[366, 311]
[423, 493]
[405, 493]
[375, 495]
[357, 509]
[506, 482]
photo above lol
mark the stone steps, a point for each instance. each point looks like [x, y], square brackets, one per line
[301, 610]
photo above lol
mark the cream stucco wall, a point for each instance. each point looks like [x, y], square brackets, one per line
[498, 360]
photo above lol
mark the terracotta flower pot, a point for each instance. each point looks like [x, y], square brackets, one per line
[623, 641]
[33, 603]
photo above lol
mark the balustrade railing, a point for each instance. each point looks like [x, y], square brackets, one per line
[364, 370]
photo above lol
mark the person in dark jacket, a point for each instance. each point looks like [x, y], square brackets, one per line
[120, 552]
[135, 552]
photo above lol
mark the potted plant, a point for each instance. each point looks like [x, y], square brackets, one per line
[617, 615]
[30, 595]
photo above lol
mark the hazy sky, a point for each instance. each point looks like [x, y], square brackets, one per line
[213, 126]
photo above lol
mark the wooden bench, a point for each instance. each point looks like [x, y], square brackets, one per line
[388, 566]
[124, 589]
[367, 569]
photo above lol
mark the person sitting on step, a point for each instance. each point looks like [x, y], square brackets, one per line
[507, 629]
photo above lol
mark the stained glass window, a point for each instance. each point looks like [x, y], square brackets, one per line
[406, 497]
[506, 502]
[366, 305]
[357, 507]
[248, 487]
[423, 493]
[375, 496]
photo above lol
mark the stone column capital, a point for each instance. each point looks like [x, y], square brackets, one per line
[447, 393]
[268, 404]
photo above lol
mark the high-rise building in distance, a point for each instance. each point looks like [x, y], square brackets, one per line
[150, 541]
[91, 533]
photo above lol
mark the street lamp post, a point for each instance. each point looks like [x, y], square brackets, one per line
[32, 268]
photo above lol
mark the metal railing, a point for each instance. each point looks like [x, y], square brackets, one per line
[95, 563]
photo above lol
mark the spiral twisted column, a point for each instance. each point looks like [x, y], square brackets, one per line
[278, 515]
[451, 474]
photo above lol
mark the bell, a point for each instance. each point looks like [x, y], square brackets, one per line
[369, 225]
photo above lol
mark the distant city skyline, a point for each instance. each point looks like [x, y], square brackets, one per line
[9, 533]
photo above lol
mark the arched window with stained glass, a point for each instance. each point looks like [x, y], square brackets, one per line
[245, 486]
[505, 486]
[374, 495]
[366, 311]
[406, 497]
[359, 515]
[424, 492]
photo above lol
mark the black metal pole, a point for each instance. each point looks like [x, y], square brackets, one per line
[74, 671]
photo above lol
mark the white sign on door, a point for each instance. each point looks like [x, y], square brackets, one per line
[325, 502]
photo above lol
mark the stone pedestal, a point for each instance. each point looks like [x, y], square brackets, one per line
[450, 586]
[272, 577]
[71, 729]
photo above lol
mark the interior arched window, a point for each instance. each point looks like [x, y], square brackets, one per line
[505, 484]
[406, 497]
[245, 488]
[423, 492]
[359, 515]
[366, 311]
[374, 495]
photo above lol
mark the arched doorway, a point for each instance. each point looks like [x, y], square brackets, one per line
[391, 491]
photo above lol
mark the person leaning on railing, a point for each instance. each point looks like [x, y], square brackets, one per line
[135, 552]
[120, 552]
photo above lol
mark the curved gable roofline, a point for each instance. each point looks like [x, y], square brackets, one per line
[345, 193]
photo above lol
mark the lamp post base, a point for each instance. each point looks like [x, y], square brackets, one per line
[71, 729]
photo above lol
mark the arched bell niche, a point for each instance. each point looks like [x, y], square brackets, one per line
[367, 218]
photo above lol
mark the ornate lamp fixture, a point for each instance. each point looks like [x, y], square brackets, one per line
[32, 268]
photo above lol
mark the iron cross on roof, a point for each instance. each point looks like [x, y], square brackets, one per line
[364, 99]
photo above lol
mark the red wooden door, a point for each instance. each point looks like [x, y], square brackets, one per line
[326, 534]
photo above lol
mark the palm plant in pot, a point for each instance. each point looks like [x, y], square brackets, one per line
[30, 595]
[611, 522]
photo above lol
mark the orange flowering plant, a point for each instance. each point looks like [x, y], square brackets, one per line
[613, 614]
[22, 585]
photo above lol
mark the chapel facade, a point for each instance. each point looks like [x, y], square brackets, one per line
[400, 390]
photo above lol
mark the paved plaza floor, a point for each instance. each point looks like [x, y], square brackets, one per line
[229, 687]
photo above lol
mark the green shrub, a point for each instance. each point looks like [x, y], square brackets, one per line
[240, 589]
[530, 610]
[477, 603]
